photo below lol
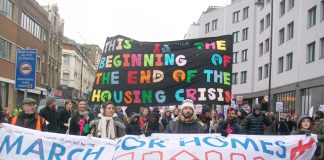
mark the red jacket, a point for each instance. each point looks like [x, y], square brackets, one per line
[143, 120]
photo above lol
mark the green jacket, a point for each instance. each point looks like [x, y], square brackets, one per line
[319, 130]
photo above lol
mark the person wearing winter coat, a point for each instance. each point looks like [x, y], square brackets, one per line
[205, 118]
[64, 114]
[133, 126]
[166, 118]
[272, 128]
[286, 126]
[51, 115]
[80, 120]
[319, 130]
[241, 114]
[153, 125]
[305, 125]
[187, 121]
[107, 125]
[219, 120]
[254, 123]
[230, 125]
[145, 116]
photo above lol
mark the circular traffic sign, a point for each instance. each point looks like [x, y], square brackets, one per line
[25, 68]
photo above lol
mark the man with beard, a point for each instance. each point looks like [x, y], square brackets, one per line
[230, 125]
[50, 114]
[187, 121]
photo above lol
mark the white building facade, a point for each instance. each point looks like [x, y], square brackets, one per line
[297, 70]
[78, 73]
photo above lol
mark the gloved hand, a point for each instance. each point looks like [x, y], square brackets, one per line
[224, 134]
[148, 133]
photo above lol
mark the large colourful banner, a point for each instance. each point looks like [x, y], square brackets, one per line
[134, 73]
[26, 144]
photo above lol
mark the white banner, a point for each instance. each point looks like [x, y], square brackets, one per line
[20, 143]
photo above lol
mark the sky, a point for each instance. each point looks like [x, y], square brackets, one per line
[92, 21]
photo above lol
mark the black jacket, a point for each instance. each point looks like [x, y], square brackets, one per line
[74, 128]
[286, 127]
[52, 119]
[133, 128]
[253, 124]
[235, 127]
[63, 115]
[31, 121]
[165, 121]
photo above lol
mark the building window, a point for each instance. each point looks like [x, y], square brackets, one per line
[321, 48]
[281, 36]
[214, 24]
[290, 30]
[235, 57]
[207, 28]
[6, 8]
[291, 4]
[260, 73]
[266, 70]
[261, 25]
[236, 16]
[39, 62]
[282, 8]
[5, 49]
[260, 49]
[243, 77]
[244, 55]
[235, 36]
[66, 60]
[31, 26]
[42, 78]
[312, 17]
[245, 34]
[289, 101]
[245, 12]
[268, 20]
[280, 64]
[234, 78]
[322, 10]
[311, 52]
[267, 45]
[289, 61]
[65, 78]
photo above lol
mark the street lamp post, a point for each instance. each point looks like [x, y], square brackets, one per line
[260, 3]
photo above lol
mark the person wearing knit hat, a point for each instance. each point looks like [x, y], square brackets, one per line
[254, 123]
[206, 118]
[167, 117]
[51, 115]
[133, 126]
[187, 121]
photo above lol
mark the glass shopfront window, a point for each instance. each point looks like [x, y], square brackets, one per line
[312, 97]
[289, 101]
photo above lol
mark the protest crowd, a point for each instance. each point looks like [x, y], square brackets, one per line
[110, 122]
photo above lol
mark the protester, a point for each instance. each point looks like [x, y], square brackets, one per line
[287, 125]
[64, 115]
[167, 117]
[253, 124]
[51, 115]
[176, 112]
[319, 131]
[133, 126]
[79, 123]
[214, 116]
[120, 114]
[153, 125]
[241, 114]
[206, 119]
[144, 118]
[157, 111]
[17, 110]
[187, 121]
[272, 128]
[230, 125]
[305, 125]
[220, 119]
[107, 125]
[28, 118]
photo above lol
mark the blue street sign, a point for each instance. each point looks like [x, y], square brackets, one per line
[26, 69]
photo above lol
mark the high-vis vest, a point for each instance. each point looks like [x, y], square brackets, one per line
[38, 124]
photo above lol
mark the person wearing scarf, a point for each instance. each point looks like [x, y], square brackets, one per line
[107, 125]
[153, 125]
[230, 125]
[187, 121]
[79, 124]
